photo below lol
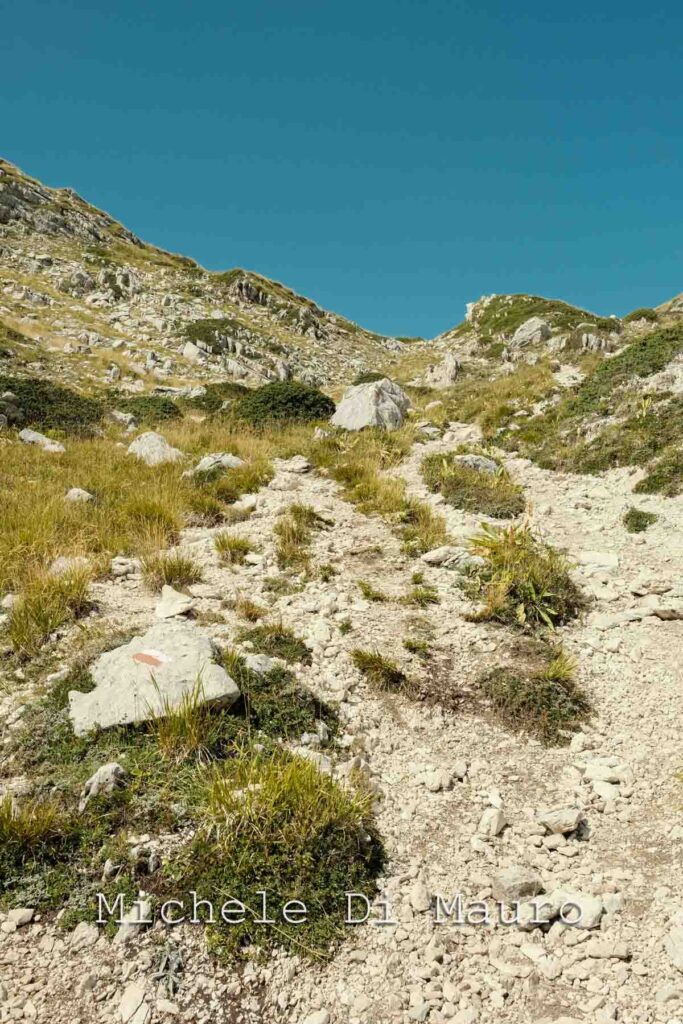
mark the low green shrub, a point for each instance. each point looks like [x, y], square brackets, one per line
[50, 406]
[286, 400]
[636, 520]
[544, 701]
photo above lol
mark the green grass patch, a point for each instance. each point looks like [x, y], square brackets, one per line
[636, 520]
[381, 672]
[273, 822]
[277, 642]
[542, 700]
[469, 489]
[170, 568]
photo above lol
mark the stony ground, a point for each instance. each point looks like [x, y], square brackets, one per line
[438, 765]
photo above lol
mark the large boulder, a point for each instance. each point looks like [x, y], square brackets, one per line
[380, 403]
[140, 680]
[531, 332]
[443, 374]
[153, 449]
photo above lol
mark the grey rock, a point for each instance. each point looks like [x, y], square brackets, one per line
[560, 820]
[34, 437]
[673, 944]
[77, 494]
[531, 331]
[260, 663]
[66, 565]
[479, 462]
[135, 682]
[214, 463]
[380, 403]
[105, 781]
[443, 374]
[491, 823]
[153, 449]
[516, 883]
[172, 603]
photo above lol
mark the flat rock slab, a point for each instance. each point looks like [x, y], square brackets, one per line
[136, 682]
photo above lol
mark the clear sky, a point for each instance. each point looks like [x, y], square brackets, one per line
[391, 159]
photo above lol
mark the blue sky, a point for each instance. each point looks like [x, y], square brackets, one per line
[391, 159]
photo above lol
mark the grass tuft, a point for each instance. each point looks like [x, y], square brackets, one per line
[170, 568]
[232, 550]
[524, 581]
[277, 642]
[636, 520]
[46, 603]
[379, 671]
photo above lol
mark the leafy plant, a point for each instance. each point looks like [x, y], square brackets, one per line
[524, 581]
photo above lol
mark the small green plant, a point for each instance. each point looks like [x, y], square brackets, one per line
[636, 520]
[345, 627]
[417, 578]
[277, 642]
[544, 701]
[170, 568]
[524, 581]
[416, 646]
[421, 597]
[470, 489]
[283, 400]
[379, 671]
[247, 609]
[665, 475]
[32, 831]
[293, 539]
[232, 550]
[46, 603]
[327, 572]
[371, 593]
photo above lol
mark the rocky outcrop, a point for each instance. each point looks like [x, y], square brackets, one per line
[381, 403]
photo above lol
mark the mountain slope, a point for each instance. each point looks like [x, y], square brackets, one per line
[74, 282]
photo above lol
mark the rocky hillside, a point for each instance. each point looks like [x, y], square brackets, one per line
[258, 645]
[82, 293]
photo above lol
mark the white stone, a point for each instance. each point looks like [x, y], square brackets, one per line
[77, 494]
[531, 331]
[214, 462]
[560, 820]
[34, 437]
[108, 778]
[673, 944]
[381, 403]
[21, 916]
[491, 823]
[172, 603]
[516, 883]
[135, 682]
[153, 449]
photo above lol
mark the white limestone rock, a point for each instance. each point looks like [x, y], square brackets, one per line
[135, 682]
[381, 403]
[154, 450]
